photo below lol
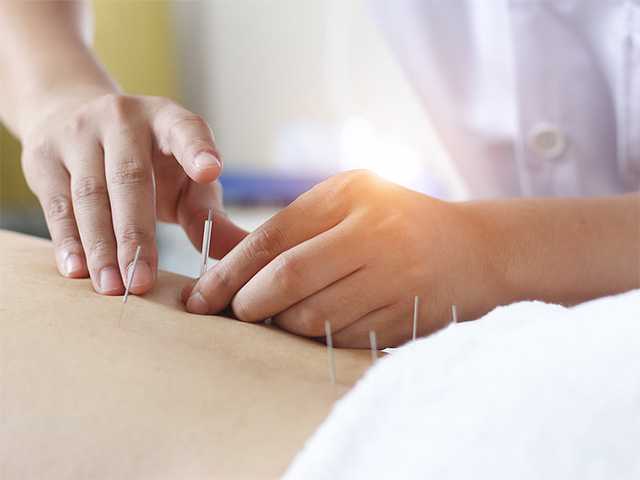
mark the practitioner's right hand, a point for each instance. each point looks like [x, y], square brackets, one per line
[105, 166]
[354, 251]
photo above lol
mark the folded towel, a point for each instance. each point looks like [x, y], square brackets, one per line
[530, 391]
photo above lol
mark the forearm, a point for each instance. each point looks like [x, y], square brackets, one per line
[565, 250]
[44, 58]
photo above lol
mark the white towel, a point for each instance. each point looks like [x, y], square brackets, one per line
[530, 391]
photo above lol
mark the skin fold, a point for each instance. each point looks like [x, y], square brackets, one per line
[353, 250]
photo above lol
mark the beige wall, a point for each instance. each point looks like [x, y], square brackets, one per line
[286, 83]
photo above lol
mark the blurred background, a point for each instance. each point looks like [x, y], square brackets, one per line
[294, 91]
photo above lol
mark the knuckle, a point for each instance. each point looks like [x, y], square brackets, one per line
[401, 224]
[265, 242]
[133, 235]
[33, 156]
[43, 148]
[287, 272]
[69, 243]
[164, 108]
[347, 190]
[88, 188]
[77, 124]
[190, 121]
[118, 106]
[37, 160]
[356, 180]
[341, 191]
[218, 278]
[100, 248]
[58, 207]
[130, 172]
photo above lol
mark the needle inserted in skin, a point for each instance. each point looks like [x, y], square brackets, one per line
[374, 346]
[454, 314]
[130, 273]
[206, 242]
[332, 358]
[416, 307]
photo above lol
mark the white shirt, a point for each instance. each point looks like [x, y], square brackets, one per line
[530, 97]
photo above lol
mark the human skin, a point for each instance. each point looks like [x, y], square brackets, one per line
[104, 166]
[356, 249]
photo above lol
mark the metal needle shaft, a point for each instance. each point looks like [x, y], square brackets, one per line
[374, 346]
[130, 274]
[416, 308]
[332, 360]
[206, 242]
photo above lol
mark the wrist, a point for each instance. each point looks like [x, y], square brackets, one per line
[494, 234]
[552, 249]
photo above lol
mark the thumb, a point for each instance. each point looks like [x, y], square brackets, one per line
[188, 138]
[193, 210]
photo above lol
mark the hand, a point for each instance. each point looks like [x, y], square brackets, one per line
[355, 250]
[104, 167]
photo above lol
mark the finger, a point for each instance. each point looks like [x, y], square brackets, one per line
[129, 177]
[171, 184]
[185, 293]
[298, 273]
[392, 325]
[306, 217]
[183, 201]
[193, 209]
[52, 190]
[93, 216]
[342, 303]
[189, 139]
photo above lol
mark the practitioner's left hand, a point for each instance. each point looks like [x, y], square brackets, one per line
[355, 250]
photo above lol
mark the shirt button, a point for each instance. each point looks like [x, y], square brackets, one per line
[547, 141]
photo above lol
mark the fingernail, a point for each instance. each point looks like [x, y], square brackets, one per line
[197, 304]
[142, 276]
[110, 280]
[73, 264]
[205, 160]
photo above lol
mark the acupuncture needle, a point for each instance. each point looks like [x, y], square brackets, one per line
[206, 242]
[416, 307]
[130, 274]
[454, 314]
[330, 352]
[374, 346]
